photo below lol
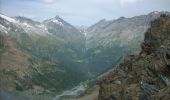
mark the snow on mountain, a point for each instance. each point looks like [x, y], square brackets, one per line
[8, 18]
[57, 22]
[3, 29]
[42, 26]
[37, 28]
[28, 25]
[54, 26]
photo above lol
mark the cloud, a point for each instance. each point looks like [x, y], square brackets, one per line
[125, 2]
[48, 1]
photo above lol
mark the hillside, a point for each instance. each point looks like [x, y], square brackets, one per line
[35, 63]
[112, 39]
[144, 76]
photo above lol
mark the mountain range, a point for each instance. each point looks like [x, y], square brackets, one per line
[50, 56]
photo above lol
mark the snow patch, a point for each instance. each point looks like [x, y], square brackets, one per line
[26, 24]
[58, 22]
[3, 28]
[29, 28]
[42, 27]
[8, 18]
[38, 28]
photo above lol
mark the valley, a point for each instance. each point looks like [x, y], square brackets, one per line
[54, 59]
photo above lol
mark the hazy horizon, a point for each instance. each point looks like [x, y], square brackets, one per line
[81, 13]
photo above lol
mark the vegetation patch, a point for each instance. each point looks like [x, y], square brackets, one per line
[56, 81]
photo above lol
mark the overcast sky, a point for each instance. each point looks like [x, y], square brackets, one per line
[81, 12]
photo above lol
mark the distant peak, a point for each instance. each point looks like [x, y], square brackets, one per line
[56, 20]
[57, 17]
[120, 18]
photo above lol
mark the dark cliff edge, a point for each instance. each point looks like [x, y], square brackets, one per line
[145, 76]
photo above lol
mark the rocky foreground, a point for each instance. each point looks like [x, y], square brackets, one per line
[145, 76]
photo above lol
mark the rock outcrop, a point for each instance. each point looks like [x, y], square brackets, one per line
[145, 76]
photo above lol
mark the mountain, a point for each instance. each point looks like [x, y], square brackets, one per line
[144, 76]
[37, 59]
[73, 39]
[53, 39]
[108, 41]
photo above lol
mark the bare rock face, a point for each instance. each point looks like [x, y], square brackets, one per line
[145, 76]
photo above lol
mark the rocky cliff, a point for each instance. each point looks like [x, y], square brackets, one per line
[145, 76]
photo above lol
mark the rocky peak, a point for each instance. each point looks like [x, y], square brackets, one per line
[56, 21]
[57, 17]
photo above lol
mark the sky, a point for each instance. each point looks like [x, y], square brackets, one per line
[81, 12]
